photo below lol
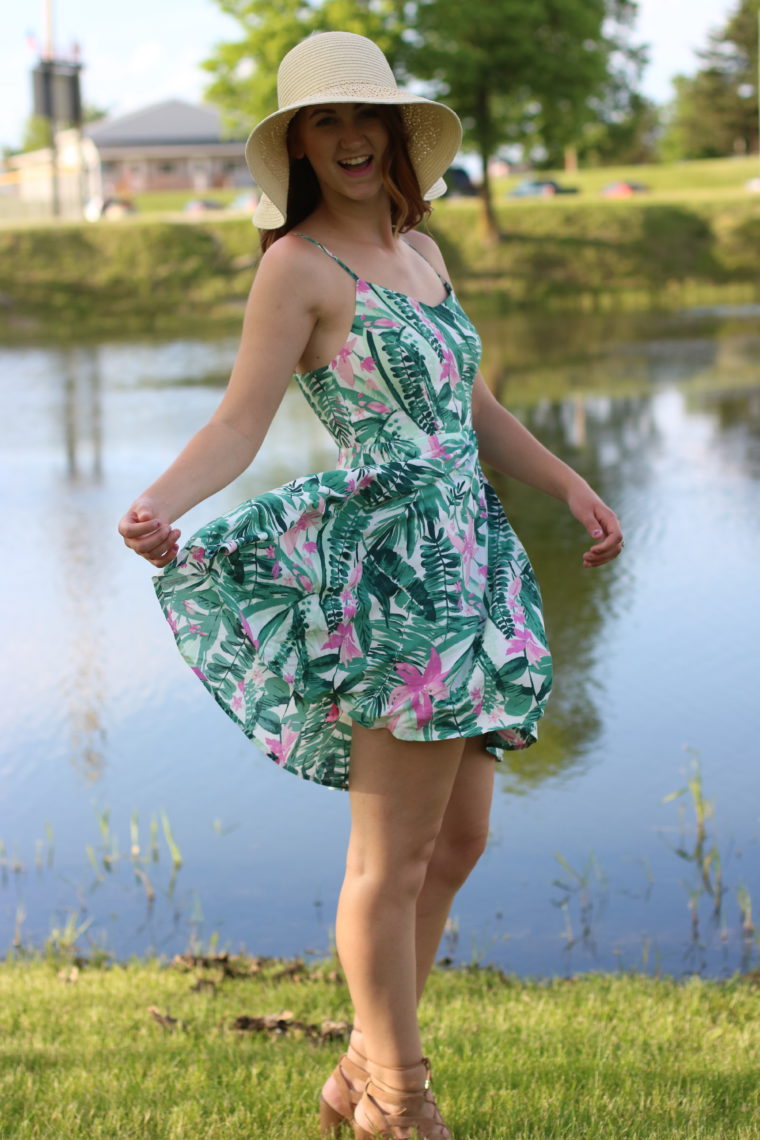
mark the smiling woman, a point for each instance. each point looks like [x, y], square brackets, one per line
[376, 627]
[373, 140]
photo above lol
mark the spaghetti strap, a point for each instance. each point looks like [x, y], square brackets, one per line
[342, 264]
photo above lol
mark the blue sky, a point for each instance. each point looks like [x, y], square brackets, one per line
[145, 50]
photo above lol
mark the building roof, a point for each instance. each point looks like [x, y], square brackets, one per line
[169, 122]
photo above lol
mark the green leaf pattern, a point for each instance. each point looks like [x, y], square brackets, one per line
[391, 590]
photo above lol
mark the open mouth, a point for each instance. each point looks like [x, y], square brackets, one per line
[356, 165]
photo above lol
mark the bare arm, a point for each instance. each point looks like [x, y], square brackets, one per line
[279, 319]
[507, 446]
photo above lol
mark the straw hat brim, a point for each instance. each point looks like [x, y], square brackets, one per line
[434, 135]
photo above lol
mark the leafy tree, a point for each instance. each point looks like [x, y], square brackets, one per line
[36, 134]
[244, 83]
[624, 132]
[715, 111]
[524, 71]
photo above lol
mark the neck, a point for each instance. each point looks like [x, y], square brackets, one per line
[367, 223]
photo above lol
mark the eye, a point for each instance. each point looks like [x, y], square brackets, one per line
[369, 113]
[324, 120]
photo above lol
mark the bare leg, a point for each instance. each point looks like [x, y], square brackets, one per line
[460, 843]
[399, 793]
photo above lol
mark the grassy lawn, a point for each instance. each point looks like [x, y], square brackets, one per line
[619, 1057]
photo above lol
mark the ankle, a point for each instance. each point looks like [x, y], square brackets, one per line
[355, 1048]
[401, 1078]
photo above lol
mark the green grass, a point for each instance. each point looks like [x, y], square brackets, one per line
[707, 178]
[618, 1057]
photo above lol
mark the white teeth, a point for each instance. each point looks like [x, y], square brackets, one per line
[354, 161]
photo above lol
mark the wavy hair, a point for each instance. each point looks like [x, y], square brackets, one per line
[408, 208]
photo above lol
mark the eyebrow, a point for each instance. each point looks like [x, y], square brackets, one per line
[323, 108]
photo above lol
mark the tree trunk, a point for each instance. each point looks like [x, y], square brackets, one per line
[490, 231]
[571, 160]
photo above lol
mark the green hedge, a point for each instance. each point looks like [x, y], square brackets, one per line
[142, 273]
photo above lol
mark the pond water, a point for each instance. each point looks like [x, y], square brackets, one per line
[114, 764]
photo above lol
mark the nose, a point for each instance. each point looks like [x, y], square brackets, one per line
[351, 132]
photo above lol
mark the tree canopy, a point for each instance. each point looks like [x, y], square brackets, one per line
[715, 111]
[533, 72]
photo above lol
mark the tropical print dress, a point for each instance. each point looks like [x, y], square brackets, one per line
[391, 590]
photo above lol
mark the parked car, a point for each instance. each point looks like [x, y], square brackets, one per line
[458, 183]
[98, 208]
[247, 202]
[624, 189]
[540, 188]
[202, 205]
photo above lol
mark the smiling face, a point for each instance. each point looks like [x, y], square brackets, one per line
[345, 144]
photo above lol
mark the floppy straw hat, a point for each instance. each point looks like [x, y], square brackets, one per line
[341, 67]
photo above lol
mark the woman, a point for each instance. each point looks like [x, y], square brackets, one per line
[376, 627]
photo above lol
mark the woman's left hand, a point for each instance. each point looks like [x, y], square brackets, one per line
[601, 523]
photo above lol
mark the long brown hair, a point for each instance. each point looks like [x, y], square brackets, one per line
[408, 208]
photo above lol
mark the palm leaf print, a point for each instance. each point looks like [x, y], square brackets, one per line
[390, 591]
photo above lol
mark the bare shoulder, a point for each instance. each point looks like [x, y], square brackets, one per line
[425, 245]
[292, 271]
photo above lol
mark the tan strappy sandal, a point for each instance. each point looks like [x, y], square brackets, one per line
[349, 1077]
[387, 1112]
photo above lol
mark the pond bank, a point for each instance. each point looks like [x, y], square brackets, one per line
[152, 274]
[185, 1052]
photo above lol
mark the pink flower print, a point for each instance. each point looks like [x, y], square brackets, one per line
[467, 547]
[513, 595]
[172, 620]
[269, 551]
[195, 628]
[355, 576]
[343, 640]
[436, 449]
[289, 677]
[276, 570]
[284, 746]
[310, 547]
[476, 696]
[418, 688]
[199, 673]
[191, 606]
[307, 519]
[237, 702]
[365, 481]
[362, 286]
[384, 323]
[305, 581]
[248, 631]
[368, 364]
[524, 644]
[198, 553]
[333, 714]
[376, 406]
[342, 364]
[449, 370]
[513, 738]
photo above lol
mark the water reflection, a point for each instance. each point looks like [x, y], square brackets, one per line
[662, 415]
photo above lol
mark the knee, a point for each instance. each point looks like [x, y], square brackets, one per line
[455, 856]
[400, 871]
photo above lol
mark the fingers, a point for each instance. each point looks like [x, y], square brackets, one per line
[152, 539]
[604, 524]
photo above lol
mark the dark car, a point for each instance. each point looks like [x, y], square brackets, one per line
[623, 189]
[458, 183]
[540, 188]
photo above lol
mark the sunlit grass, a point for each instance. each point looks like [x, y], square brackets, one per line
[598, 1056]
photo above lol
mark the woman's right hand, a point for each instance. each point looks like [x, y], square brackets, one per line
[149, 535]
